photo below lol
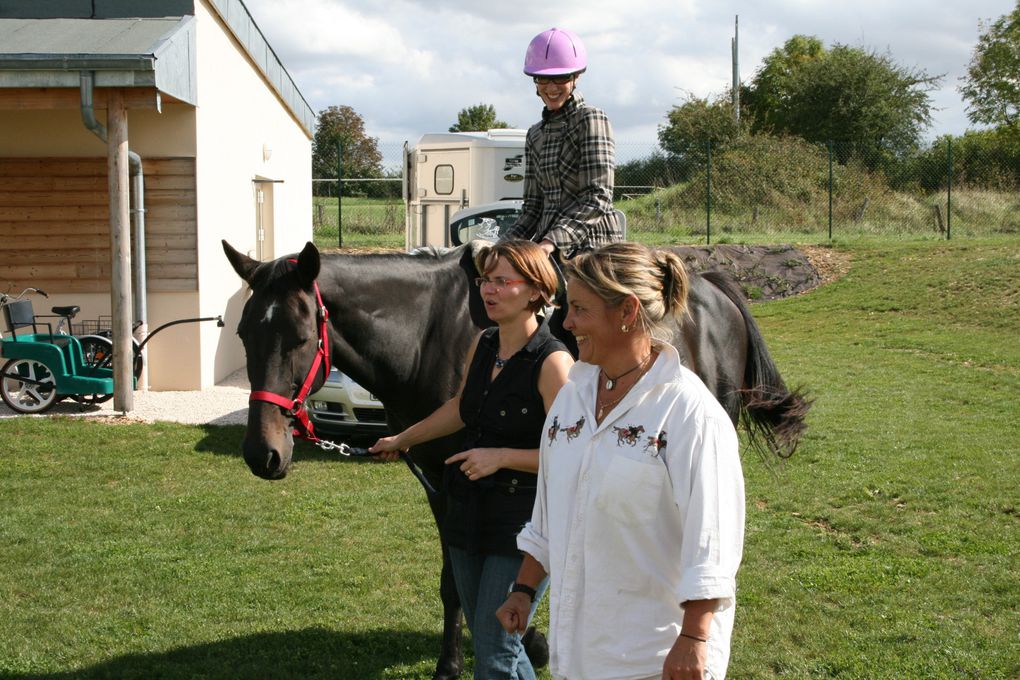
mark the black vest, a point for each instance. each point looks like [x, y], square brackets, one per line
[485, 516]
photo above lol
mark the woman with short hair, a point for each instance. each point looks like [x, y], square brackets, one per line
[513, 372]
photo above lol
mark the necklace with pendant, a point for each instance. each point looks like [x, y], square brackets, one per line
[611, 382]
[614, 402]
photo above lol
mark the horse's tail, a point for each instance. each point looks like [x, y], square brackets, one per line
[772, 413]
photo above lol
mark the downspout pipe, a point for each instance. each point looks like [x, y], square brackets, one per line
[88, 116]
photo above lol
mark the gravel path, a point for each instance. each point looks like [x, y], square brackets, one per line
[224, 404]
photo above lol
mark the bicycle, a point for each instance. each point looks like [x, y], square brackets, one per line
[43, 368]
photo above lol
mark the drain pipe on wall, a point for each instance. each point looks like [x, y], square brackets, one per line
[88, 117]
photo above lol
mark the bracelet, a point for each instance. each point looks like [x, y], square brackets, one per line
[521, 588]
[692, 637]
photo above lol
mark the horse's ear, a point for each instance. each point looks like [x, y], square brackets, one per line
[242, 264]
[467, 264]
[308, 264]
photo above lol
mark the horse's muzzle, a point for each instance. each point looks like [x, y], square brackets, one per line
[268, 444]
[265, 462]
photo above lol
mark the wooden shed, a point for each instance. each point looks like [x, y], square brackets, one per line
[220, 139]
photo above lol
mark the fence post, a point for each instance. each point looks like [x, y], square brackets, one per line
[949, 188]
[830, 190]
[339, 194]
[708, 195]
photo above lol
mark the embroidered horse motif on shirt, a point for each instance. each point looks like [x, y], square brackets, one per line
[554, 429]
[658, 443]
[574, 430]
[628, 434]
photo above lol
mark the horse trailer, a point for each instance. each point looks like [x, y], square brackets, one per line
[446, 172]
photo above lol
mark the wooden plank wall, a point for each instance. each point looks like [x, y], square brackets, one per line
[55, 226]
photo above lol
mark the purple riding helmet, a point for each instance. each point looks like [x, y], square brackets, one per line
[556, 52]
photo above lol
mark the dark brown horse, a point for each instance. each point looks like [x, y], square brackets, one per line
[400, 325]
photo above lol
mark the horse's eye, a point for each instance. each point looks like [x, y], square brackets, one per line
[294, 342]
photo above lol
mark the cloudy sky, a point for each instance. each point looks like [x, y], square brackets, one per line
[408, 66]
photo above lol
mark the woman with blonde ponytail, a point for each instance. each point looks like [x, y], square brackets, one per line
[639, 517]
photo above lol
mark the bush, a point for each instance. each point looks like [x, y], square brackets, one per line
[986, 159]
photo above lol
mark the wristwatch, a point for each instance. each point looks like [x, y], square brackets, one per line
[521, 588]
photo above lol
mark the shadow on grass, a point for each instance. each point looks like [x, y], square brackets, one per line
[308, 653]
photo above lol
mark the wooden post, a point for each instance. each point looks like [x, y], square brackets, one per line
[120, 252]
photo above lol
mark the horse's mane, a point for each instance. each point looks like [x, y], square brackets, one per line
[421, 251]
[425, 254]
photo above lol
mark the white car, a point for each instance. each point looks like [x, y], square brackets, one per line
[490, 221]
[487, 221]
[344, 408]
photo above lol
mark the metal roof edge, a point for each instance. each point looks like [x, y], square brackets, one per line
[176, 63]
[166, 41]
[70, 62]
[238, 19]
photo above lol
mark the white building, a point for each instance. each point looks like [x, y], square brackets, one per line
[224, 139]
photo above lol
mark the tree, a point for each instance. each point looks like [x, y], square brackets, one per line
[992, 83]
[360, 153]
[771, 85]
[477, 118]
[696, 122]
[865, 101]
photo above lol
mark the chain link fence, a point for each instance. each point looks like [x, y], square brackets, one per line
[769, 189]
[758, 189]
[358, 212]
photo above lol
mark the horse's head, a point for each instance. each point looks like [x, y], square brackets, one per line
[280, 331]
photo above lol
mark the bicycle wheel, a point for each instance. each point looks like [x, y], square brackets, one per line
[104, 357]
[97, 352]
[27, 386]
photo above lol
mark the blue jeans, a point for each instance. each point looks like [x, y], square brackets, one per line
[482, 583]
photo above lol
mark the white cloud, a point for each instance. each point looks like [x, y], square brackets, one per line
[408, 66]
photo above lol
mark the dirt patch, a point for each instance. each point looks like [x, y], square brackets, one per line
[768, 272]
[830, 264]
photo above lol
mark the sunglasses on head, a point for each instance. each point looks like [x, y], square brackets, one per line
[559, 80]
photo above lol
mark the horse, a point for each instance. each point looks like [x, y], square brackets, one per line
[401, 324]
[628, 434]
[657, 443]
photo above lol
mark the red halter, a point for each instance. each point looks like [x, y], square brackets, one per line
[295, 407]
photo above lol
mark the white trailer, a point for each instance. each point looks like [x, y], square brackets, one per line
[445, 172]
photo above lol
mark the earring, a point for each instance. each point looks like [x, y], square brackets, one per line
[624, 328]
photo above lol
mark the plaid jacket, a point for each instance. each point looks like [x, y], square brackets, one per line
[568, 181]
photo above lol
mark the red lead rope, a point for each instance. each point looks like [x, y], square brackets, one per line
[303, 428]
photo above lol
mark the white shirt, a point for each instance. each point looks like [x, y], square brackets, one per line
[633, 517]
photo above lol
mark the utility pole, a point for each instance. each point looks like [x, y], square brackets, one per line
[734, 45]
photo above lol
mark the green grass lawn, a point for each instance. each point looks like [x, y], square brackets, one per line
[367, 223]
[887, 547]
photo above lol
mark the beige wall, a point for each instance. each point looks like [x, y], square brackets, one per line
[230, 90]
[61, 133]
